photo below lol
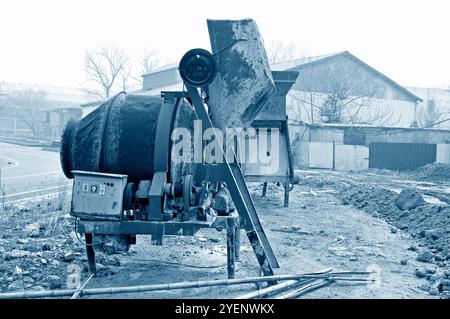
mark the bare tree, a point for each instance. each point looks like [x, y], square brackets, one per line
[279, 51]
[103, 67]
[148, 61]
[31, 105]
[144, 63]
[337, 93]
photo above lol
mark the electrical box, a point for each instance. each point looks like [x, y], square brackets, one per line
[97, 196]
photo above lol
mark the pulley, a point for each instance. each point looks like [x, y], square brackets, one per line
[197, 67]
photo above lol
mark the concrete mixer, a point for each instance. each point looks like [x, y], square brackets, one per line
[126, 181]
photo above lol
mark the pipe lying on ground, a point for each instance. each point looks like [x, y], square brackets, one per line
[277, 288]
[170, 286]
[305, 289]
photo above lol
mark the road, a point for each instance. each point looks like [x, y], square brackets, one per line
[28, 173]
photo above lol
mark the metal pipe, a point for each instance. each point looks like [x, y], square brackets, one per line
[305, 289]
[270, 290]
[156, 287]
[276, 288]
[79, 290]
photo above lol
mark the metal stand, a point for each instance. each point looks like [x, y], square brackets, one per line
[231, 248]
[90, 253]
[286, 194]
[232, 175]
[264, 191]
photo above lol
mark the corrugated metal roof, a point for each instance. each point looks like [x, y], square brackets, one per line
[295, 65]
[284, 66]
[163, 68]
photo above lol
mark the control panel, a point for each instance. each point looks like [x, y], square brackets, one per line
[98, 196]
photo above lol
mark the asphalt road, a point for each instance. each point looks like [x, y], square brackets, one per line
[28, 173]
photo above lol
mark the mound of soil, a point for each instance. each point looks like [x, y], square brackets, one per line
[432, 172]
[429, 223]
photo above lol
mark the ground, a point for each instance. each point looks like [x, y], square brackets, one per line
[326, 225]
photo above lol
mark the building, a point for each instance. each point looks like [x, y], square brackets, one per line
[381, 125]
[38, 111]
[340, 88]
[359, 147]
[434, 110]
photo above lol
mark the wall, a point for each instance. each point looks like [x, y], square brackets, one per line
[161, 79]
[383, 103]
[327, 146]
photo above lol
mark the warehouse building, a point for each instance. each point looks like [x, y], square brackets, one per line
[37, 111]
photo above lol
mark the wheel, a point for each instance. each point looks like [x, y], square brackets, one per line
[197, 67]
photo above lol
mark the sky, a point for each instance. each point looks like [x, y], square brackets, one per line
[45, 41]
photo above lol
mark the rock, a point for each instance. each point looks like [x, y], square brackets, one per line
[433, 234]
[110, 247]
[375, 214]
[54, 282]
[37, 276]
[393, 230]
[15, 285]
[28, 280]
[420, 273]
[425, 256]
[409, 199]
[46, 247]
[353, 258]
[68, 257]
[43, 261]
[438, 258]
[32, 248]
[114, 261]
[32, 230]
[434, 291]
[425, 287]
[403, 262]
[431, 270]
[17, 253]
[445, 282]
[402, 226]
[18, 271]
[215, 240]
[447, 273]
[412, 248]
[115, 270]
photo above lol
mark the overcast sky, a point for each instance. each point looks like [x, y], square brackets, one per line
[44, 41]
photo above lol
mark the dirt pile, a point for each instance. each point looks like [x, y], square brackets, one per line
[420, 221]
[429, 224]
[432, 172]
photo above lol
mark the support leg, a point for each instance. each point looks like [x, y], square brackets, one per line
[264, 191]
[237, 251]
[90, 253]
[231, 247]
[286, 194]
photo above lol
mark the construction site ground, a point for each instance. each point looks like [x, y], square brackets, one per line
[323, 227]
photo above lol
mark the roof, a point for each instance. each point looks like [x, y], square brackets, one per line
[372, 127]
[163, 68]
[57, 96]
[295, 65]
[179, 86]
